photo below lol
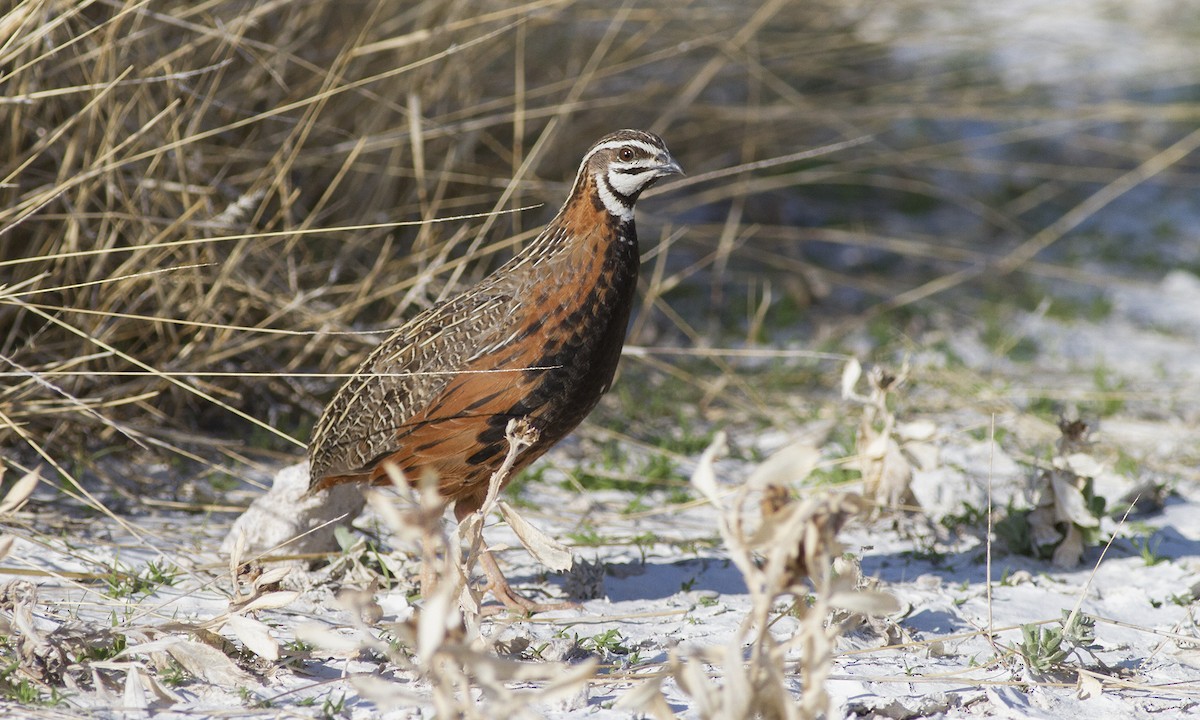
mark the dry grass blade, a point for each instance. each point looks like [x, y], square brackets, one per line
[19, 492]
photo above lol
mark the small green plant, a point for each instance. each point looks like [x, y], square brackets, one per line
[1013, 531]
[122, 582]
[1044, 407]
[657, 469]
[164, 573]
[26, 693]
[173, 674]
[365, 553]
[928, 553]
[222, 482]
[1182, 599]
[970, 518]
[331, 708]
[1111, 391]
[250, 699]
[1148, 549]
[635, 506]
[587, 536]
[608, 641]
[22, 690]
[1066, 513]
[693, 546]
[997, 336]
[100, 651]
[985, 433]
[515, 489]
[1043, 647]
[688, 441]
[1126, 464]
[678, 496]
[644, 542]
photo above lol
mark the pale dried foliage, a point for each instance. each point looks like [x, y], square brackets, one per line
[789, 551]
[887, 450]
[442, 644]
[1062, 519]
[55, 653]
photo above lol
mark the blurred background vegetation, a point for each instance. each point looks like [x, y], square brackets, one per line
[205, 206]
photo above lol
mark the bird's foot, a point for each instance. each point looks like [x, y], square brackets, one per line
[518, 604]
[511, 599]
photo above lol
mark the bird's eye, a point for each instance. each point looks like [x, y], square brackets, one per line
[626, 154]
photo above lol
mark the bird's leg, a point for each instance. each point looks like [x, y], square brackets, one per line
[497, 583]
[512, 600]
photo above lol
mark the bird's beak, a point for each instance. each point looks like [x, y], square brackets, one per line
[668, 166]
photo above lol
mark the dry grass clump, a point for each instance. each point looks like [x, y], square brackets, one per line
[790, 550]
[441, 646]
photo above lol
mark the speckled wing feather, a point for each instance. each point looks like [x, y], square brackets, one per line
[399, 379]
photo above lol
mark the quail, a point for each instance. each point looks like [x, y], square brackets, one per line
[538, 340]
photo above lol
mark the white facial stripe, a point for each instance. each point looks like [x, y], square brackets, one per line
[614, 144]
[612, 202]
[628, 184]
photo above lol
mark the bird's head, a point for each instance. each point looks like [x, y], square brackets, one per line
[623, 164]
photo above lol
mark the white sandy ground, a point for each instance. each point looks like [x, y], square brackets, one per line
[670, 593]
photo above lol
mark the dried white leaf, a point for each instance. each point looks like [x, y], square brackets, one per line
[646, 696]
[739, 692]
[134, 699]
[255, 635]
[208, 664]
[19, 492]
[704, 478]
[1070, 551]
[878, 446]
[867, 602]
[851, 374]
[887, 479]
[1042, 530]
[385, 507]
[1084, 465]
[273, 576]
[917, 429]
[328, 640]
[1089, 686]
[694, 680]
[235, 556]
[270, 601]
[785, 466]
[6, 543]
[148, 648]
[926, 456]
[386, 693]
[560, 678]
[541, 546]
[1069, 503]
[434, 620]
